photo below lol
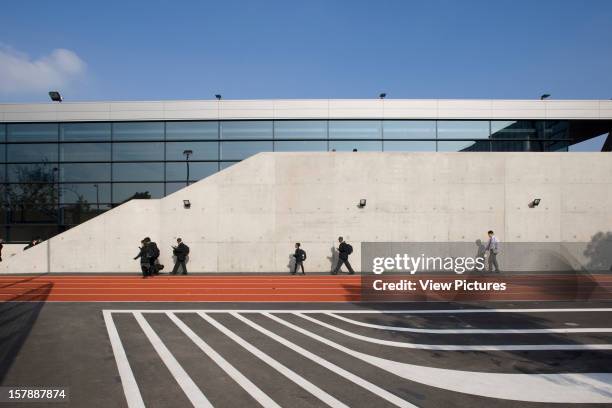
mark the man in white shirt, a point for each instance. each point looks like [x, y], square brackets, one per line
[493, 248]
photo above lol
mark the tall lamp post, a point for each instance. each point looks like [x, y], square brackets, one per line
[187, 153]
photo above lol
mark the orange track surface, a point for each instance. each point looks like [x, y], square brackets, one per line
[275, 288]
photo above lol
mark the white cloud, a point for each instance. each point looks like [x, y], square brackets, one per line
[20, 74]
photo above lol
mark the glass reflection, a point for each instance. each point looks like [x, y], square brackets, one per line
[409, 129]
[360, 145]
[32, 132]
[355, 129]
[33, 173]
[197, 171]
[85, 131]
[138, 151]
[246, 130]
[44, 152]
[75, 172]
[92, 193]
[138, 131]
[300, 129]
[192, 130]
[85, 152]
[242, 150]
[464, 146]
[463, 129]
[123, 192]
[138, 172]
[201, 150]
[300, 146]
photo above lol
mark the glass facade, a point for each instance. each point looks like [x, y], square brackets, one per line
[57, 175]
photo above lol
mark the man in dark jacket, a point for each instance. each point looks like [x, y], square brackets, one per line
[344, 250]
[300, 257]
[144, 259]
[180, 252]
[152, 255]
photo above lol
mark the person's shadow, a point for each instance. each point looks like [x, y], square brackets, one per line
[333, 258]
[480, 253]
[291, 263]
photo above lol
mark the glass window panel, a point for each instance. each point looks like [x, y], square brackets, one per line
[201, 150]
[123, 192]
[138, 172]
[138, 131]
[32, 132]
[80, 212]
[510, 146]
[85, 152]
[246, 130]
[409, 129]
[2, 153]
[33, 202]
[174, 187]
[360, 145]
[300, 129]
[513, 129]
[301, 146]
[85, 131]
[463, 129]
[197, 171]
[26, 233]
[2, 179]
[242, 150]
[44, 152]
[225, 165]
[86, 193]
[85, 172]
[355, 129]
[556, 129]
[192, 130]
[464, 146]
[420, 146]
[138, 151]
[37, 172]
[2, 132]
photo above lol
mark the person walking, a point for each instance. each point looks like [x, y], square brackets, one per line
[144, 259]
[152, 255]
[180, 251]
[344, 250]
[493, 249]
[300, 257]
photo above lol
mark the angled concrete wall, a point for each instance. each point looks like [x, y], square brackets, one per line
[247, 217]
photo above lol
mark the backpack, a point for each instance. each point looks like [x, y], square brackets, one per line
[186, 250]
[303, 255]
[349, 249]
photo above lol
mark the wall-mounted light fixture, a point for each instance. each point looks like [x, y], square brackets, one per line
[544, 96]
[55, 96]
[218, 96]
[534, 203]
[186, 204]
[362, 203]
[382, 95]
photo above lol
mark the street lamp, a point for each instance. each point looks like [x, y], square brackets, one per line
[218, 96]
[187, 153]
[382, 95]
[97, 196]
[544, 96]
[55, 96]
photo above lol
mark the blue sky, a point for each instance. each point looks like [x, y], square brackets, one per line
[138, 50]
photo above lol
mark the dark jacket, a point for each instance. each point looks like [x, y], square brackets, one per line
[143, 255]
[181, 251]
[299, 255]
[152, 251]
[343, 251]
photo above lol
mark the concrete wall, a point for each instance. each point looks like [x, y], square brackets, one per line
[247, 217]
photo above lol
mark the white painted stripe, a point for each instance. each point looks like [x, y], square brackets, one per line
[359, 311]
[290, 374]
[130, 387]
[191, 390]
[380, 392]
[550, 388]
[453, 347]
[236, 375]
[473, 331]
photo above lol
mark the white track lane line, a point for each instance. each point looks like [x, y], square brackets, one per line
[290, 374]
[348, 311]
[472, 331]
[458, 347]
[549, 388]
[236, 375]
[130, 387]
[191, 390]
[382, 393]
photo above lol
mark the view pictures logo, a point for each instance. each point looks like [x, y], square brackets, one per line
[411, 264]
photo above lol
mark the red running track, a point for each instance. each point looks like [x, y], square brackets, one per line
[283, 288]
